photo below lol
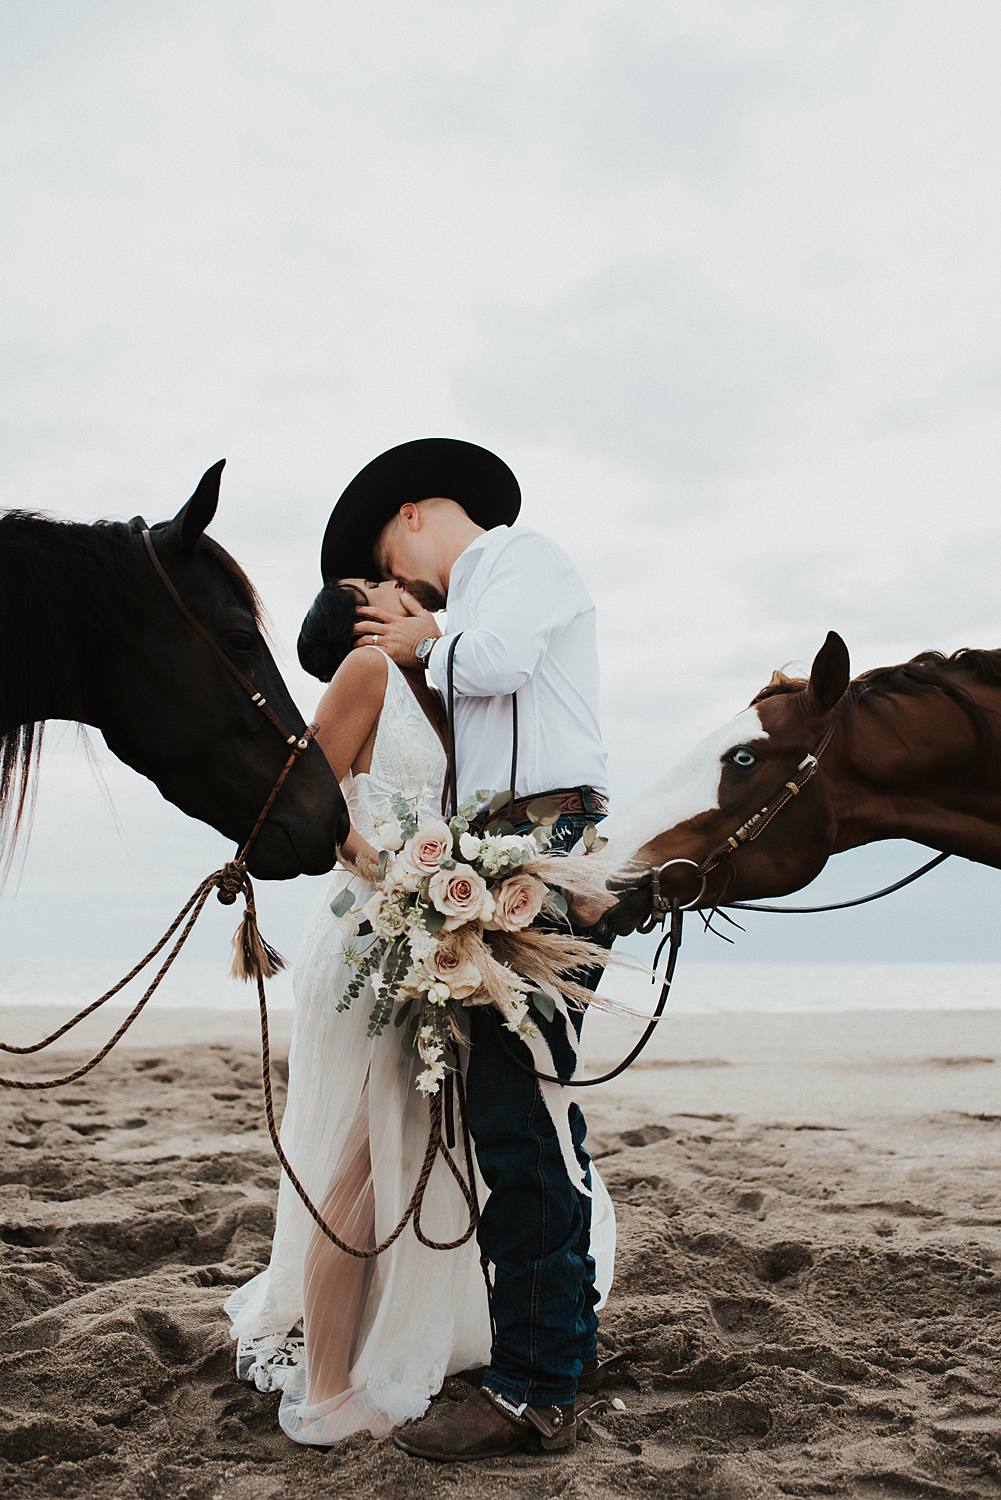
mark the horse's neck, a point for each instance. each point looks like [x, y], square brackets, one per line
[51, 625]
[912, 768]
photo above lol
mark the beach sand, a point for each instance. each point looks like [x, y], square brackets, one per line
[808, 1280]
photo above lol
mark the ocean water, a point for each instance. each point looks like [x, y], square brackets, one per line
[716, 988]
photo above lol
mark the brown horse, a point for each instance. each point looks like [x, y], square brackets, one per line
[904, 752]
[90, 633]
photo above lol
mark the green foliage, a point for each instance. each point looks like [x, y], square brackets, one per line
[544, 811]
[543, 1003]
[395, 966]
[410, 1035]
[367, 967]
[593, 840]
[342, 903]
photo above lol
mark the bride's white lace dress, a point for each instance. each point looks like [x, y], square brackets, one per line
[380, 1335]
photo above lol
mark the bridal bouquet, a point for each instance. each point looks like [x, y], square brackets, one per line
[450, 924]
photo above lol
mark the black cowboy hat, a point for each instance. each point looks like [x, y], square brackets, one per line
[474, 477]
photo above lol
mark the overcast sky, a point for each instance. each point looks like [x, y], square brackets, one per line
[719, 280]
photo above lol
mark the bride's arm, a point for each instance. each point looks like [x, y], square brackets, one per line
[347, 717]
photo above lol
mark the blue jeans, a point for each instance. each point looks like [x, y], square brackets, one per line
[535, 1227]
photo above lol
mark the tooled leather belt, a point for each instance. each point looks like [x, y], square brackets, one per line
[574, 799]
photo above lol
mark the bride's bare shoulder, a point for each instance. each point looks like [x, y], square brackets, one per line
[361, 676]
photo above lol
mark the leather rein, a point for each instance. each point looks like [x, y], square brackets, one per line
[663, 907]
[257, 962]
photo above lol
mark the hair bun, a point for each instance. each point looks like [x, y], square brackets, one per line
[327, 632]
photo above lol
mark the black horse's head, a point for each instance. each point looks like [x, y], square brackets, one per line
[168, 707]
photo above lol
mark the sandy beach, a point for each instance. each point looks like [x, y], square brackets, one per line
[809, 1272]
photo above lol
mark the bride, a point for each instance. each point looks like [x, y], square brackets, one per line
[378, 1336]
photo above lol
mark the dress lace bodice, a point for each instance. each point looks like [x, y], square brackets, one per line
[407, 758]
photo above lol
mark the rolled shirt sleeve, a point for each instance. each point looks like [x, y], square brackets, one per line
[529, 594]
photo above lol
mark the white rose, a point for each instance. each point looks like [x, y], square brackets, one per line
[470, 846]
[388, 832]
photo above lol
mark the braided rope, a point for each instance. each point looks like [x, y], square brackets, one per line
[229, 882]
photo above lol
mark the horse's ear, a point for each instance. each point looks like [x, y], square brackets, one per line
[196, 513]
[829, 675]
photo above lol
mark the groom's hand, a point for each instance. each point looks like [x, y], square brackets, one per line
[397, 637]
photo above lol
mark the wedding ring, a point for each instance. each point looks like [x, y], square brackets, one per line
[373, 639]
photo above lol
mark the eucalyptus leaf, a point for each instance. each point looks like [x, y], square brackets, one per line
[500, 827]
[557, 902]
[409, 1040]
[402, 1013]
[449, 1057]
[543, 1003]
[593, 840]
[383, 863]
[544, 810]
[499, 800]
[434, 921]
[342, 903]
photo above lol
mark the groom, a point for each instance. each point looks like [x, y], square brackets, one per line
[439, 512]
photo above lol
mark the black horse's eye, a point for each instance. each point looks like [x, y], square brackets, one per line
[742, 757]
[241, 640]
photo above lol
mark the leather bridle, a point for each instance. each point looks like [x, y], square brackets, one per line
[297, 743]
[751, 829]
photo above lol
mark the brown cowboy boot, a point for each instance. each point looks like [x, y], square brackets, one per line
[487, 1425]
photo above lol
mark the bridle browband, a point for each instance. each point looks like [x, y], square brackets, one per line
[296, 742]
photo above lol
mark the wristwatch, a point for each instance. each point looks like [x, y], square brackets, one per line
[424, 647]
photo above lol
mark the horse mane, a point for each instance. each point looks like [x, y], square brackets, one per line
[928, 672]
[63, 579]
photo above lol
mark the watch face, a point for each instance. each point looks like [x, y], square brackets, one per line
[424, 647]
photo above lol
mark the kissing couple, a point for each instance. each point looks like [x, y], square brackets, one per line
[356, 1344]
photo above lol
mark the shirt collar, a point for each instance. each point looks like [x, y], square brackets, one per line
[470, 556]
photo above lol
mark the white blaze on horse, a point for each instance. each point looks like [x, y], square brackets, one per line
[815, 766]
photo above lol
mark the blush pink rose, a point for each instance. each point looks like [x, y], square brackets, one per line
[517, 903]
[429, 846]
[451, 966]
[461, 896]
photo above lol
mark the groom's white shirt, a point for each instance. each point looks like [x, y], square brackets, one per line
[528, 626]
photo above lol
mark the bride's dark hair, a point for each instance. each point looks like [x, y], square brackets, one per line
[327, 633]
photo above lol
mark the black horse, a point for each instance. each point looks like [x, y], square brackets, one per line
[88, 632]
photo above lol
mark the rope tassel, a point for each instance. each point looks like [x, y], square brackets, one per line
[253, 957]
